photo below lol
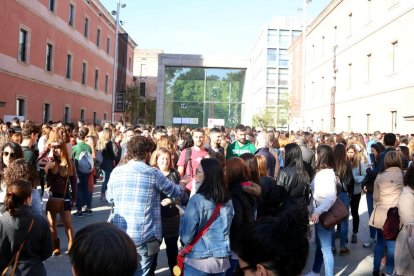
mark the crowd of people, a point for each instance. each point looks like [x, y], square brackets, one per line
[239, 200]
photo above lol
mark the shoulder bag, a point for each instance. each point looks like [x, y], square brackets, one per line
[16, 256]
[55, 205]
[391, 226]
[334, 215]
[178, 269]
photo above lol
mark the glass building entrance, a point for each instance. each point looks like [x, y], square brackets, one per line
[193, 95]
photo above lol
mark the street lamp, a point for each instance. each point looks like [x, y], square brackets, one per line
[114, 79]
[304, 26]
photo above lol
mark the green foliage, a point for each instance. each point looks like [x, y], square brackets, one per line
[192, 94]
[262, 119]
[138, 108]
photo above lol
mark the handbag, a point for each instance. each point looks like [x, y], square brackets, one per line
[16, 256]
[391, 226]
[178, 269]
[334, 215]
[410, 239]
[55, 205]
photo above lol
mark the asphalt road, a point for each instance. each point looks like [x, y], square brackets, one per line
[359, 262]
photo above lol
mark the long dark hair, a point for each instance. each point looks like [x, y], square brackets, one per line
[325, 158]
[214, 185]
[293, 158]
[341, 163]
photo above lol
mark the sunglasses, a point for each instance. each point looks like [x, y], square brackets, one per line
[6, 153]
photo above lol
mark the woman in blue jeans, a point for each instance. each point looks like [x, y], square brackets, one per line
[324, 195]
[344, 172]
[387, 189]
[210, 255]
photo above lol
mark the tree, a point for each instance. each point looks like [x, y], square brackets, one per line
[262, 119]
[138, 108]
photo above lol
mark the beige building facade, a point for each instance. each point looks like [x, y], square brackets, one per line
[358, 68]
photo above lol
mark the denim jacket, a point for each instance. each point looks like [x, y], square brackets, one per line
[216, 241]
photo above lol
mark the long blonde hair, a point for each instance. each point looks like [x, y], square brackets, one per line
[104, 139]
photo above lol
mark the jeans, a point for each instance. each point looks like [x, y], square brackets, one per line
[323, 253]
[144, 260]
[354, 211]
[107, 167]
[83, 191]
[343, 230]
[379, 253]
[370, 205]
[189, 270]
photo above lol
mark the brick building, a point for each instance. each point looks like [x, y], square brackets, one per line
[56, 60]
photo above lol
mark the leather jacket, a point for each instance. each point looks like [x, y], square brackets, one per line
[295, 187]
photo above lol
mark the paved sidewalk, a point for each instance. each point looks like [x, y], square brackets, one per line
[359, 262]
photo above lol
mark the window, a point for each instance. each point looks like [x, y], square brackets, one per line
[66, 114]
[98, 38]
[271, 97]
[106, 83]
[108, 45]
[84, 72]
[23, 45]
[129, 63]
[142, 89]
[94, 117]
[51, 5]
[71, 15]
[393, 120]
[105, 116]
[46, 112]
[296, 33]
[20, 107]
[284, 39]
[350, 24]
[86, 27]
[271, 76]
[49, 57]
[349, 75]
[271, 57]
[283, 77]
[368, 67]
[96, 78]
[82, 115]
[69, 66]
[394, 56]
[283, 58]
[272, 37]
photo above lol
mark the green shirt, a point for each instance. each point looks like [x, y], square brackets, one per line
[234, 149]
[80, 147]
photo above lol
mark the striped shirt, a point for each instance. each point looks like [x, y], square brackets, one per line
[135, 189]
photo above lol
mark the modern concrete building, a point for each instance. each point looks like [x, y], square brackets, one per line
[270, 68]
[359, 64]
[201, 91]
[56, 60]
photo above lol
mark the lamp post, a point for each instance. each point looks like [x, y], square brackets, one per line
[114, 79]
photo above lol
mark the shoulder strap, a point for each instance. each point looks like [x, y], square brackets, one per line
[15, 258]
[200, 234]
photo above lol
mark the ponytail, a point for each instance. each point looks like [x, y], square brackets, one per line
[18, 191]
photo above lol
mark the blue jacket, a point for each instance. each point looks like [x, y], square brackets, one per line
[216, 241]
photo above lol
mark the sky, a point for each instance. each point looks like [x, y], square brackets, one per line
[209, 27]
